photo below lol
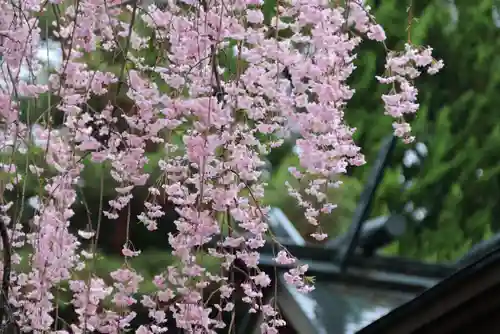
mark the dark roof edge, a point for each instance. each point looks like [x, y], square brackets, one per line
[442, 288]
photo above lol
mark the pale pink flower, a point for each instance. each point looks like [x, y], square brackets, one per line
[255, 16]
[283, 258]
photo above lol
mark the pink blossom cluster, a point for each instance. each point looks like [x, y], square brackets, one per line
[228, 122]
[402, 69]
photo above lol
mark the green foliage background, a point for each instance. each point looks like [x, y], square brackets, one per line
[459, 181]
[458, 120]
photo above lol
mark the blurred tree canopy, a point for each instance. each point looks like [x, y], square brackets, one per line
[451, 200]
[458, 182]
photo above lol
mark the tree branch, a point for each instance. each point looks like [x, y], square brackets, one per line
[7, 254]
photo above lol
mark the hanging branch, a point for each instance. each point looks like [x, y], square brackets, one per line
[7, 254]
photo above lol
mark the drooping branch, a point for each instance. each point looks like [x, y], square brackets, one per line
[7, 254]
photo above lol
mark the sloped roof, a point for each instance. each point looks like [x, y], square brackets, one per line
[444, 297]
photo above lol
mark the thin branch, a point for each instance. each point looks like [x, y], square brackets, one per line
[7, 263]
